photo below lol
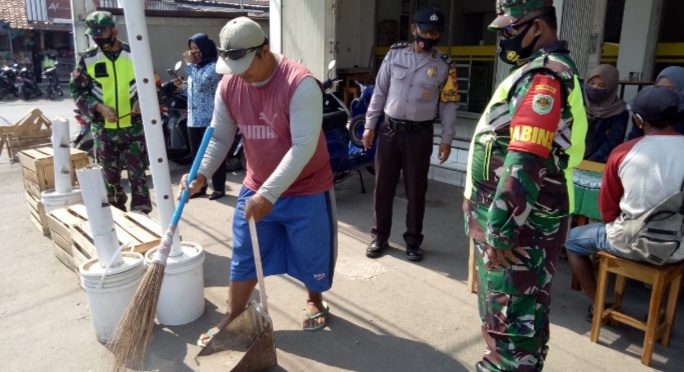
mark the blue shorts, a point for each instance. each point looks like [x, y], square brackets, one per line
[298, 238]
[589, 239]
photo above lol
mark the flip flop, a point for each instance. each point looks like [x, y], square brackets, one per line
[211, 333]
[323, 313]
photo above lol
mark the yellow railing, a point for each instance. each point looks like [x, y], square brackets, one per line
[665, 52]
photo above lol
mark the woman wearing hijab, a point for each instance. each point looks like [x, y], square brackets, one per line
[606, 112]
[200, 89]
[673, 78]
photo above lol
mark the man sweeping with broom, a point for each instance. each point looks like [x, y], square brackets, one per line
[276, 103]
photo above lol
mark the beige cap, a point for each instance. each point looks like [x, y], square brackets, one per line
[239, 39]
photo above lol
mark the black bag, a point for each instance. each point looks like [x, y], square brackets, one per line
[657, 234]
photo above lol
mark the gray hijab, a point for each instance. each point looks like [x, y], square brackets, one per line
[611, 105]
[676, 76]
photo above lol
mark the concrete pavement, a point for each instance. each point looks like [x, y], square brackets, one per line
[387, 314]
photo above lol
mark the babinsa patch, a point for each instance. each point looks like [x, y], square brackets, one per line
[542, 104]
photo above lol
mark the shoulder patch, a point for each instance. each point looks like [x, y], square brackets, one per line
[448, 60]
[399, 45]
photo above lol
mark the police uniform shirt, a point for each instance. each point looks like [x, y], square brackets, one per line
[409, 87]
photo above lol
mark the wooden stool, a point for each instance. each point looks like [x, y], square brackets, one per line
[660, 277]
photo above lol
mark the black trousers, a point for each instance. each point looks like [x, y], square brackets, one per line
[218, 180]
[408, 152]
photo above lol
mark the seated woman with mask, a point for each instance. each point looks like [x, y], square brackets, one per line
[607, 114]
[672, 78]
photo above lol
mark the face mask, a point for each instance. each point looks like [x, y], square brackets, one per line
[511, 50]
[426, 44]
[105, 44]
[596, 95]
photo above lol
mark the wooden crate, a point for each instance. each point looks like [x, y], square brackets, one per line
[74, 241]
[60, 222]
[38, 170]
[38, 216]
[143, 232]
[32, 130]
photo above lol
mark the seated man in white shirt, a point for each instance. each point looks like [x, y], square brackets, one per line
[639, 174]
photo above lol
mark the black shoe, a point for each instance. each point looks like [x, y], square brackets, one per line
[198, 194]
[217, 195]
[413, 252]
[375, 248]
[480, 367]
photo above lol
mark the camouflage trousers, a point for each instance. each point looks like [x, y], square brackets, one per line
[116, 149]
[515, 303]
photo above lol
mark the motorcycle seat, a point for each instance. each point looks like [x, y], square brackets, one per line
[334, 120]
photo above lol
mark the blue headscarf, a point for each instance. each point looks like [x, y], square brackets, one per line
[676, 75]
[206, 46]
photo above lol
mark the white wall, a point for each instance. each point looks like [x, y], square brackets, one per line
[308, 33]
[640, 25]
[169, 37]
[355, 24]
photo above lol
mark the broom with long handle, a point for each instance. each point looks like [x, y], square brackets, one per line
[129, 343]
[257, 263]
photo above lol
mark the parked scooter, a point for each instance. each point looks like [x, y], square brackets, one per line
[53, 86]
[175, 120]
[346, 155]
[29, 86]
[83, 140]
[10, 81]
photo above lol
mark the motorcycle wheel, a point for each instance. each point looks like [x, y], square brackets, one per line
[26, 94]
[61, 94]
[356, 129]
[51, 94]
[2, 94]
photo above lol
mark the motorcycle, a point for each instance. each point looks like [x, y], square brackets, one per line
[53, 87]
[10, 81]
[176, 132]
[83, 140]
[345, 141]
[29, 86]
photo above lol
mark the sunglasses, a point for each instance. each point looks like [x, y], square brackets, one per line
[236, 54]
[512, 31]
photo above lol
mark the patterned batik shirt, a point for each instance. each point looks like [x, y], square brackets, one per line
[201, 88]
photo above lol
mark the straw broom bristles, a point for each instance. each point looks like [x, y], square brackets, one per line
[129, 342]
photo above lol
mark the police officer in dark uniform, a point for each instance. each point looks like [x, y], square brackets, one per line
[414, 81]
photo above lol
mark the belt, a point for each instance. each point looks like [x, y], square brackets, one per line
[408, 125]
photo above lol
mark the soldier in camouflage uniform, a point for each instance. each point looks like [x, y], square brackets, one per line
[103, 86]
[517, 201]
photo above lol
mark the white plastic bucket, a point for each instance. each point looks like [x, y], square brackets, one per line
[109, 297]
[54, 200]
[181, 299]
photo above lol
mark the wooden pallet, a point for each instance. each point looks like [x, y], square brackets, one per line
[38, 169]
[32, 130]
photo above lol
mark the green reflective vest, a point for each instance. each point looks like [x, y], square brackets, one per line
[498, 114]
[114, 84]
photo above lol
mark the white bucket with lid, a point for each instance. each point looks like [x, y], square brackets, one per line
[181, 299]
[110, 294]
[52, 199]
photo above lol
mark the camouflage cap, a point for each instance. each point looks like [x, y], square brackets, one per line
[515, 12]
[98, 23]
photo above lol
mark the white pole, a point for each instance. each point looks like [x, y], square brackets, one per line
[62, 157]
[134, 13]
[91, 180]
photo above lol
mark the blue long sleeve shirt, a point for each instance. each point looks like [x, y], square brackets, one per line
[200, 89]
